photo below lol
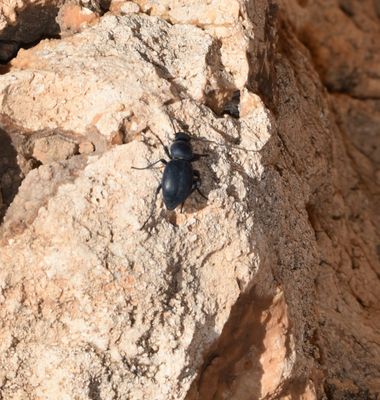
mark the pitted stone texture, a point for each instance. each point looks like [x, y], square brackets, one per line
[124, 66]
[220, 18]
[23, 22]
[267, 290]
[101, 306]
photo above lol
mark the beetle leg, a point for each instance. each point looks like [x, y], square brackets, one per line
[166, 148]
[196, 183]
[152, 206]
[199, 191]
[151, 165]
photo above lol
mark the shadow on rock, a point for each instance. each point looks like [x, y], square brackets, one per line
[237, 350]
[33, 24]
[10, 173]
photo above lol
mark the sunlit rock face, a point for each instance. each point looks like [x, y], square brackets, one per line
[266, 289]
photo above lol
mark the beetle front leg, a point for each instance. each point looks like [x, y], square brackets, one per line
[166, 148]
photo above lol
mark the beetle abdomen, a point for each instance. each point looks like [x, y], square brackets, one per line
[177, 182]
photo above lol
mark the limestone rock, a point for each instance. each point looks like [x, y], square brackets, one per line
[269, 289]
[124, 7]
[110, 73]
[47, 150]
[27, 21]
[72, 18]
[221, 18]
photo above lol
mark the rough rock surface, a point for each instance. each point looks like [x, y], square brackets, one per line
[267, 290]
[25, 22]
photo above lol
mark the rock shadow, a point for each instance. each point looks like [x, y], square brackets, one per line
[236, 351]
[26, 32]
[10, 173]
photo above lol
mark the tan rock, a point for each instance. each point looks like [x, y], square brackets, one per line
[104, 85]
[73, 18]
[24, 22]
[269, 289]
[221, 19]
[50, 149]
[89, 327]
[86, 148]
[124, 7]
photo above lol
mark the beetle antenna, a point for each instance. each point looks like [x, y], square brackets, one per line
[175, 130]
[159, 139]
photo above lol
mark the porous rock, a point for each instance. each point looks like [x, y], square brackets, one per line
[267, 290]
[27, 21]
[121, 68]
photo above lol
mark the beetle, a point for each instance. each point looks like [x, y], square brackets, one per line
[179, 179]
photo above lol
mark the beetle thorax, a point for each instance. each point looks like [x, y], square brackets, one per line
[181, 149]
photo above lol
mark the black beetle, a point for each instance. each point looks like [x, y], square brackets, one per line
[179, 179]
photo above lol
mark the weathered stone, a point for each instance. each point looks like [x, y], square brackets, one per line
[86, 148]
[124, 7]
[172, 61]
[269, 289]
[50, 149]
[72, 18]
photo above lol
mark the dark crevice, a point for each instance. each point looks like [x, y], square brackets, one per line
[223, 360]
[34, 24]
[10, 173]
[94, 389]
[262, 59]
[347, 8]
[232, 106]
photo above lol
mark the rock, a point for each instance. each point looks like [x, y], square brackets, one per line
[50, 149]
[267, 289]
[136, 353]
[86, 148]
[27, 21]
[348, 60]
[72, 18]
[221, 19]
[124, 7]
[180, 60]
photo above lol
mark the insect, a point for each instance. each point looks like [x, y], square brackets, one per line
[179, 179]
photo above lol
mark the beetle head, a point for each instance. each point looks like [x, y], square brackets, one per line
[182, 136]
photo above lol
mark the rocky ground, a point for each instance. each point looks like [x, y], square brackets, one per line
[269, 289]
